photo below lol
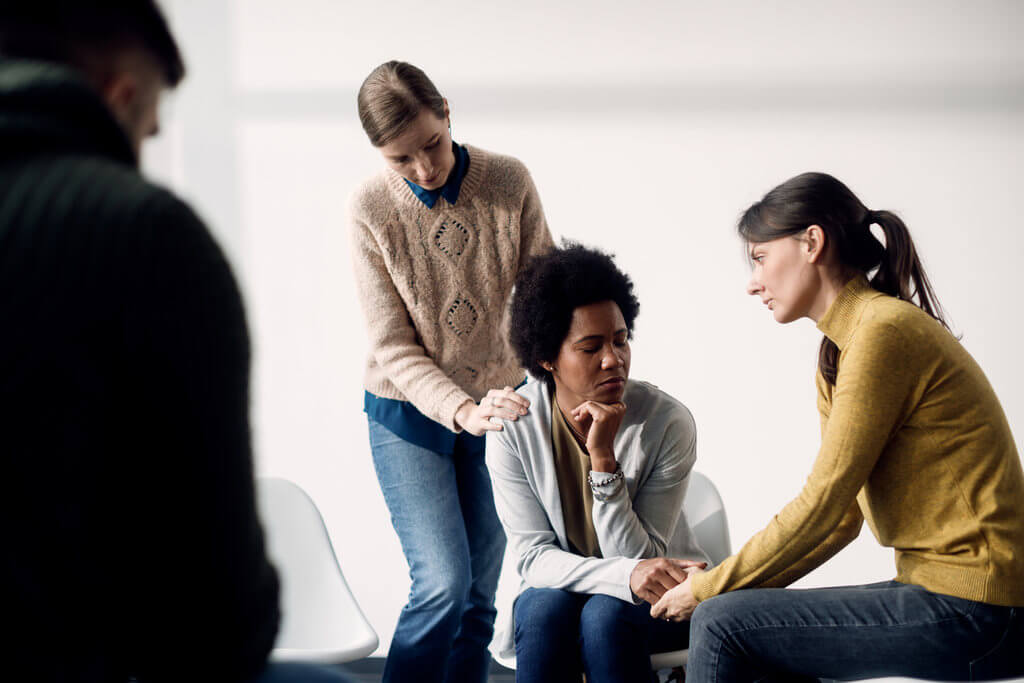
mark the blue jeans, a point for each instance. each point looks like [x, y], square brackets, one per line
[559, 633]
[299, 672]
[442, 507]
[854, 632]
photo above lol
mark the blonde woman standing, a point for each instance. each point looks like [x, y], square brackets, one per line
[438, 238]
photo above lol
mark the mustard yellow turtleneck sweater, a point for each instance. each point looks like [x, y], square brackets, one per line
[914, 441]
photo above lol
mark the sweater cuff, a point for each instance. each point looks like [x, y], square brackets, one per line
[450, 406]
[702, 587]
[629, 589]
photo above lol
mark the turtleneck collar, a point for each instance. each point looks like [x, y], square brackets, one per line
[842, 317]
[47, 108]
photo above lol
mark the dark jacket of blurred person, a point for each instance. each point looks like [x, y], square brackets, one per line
[130, 541]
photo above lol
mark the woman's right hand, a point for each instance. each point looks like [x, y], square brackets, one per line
[504, 404]
[599, 423]
[652, 578]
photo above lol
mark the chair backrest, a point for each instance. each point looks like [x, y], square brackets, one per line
[320, 619]
[705, 513]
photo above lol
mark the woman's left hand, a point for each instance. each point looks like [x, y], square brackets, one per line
[678, 603]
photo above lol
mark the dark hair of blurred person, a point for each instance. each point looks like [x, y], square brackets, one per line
[122, 48]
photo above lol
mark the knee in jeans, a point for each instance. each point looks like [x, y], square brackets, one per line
[446, 591]
[603, 618]
[544, 610]
[712, 617]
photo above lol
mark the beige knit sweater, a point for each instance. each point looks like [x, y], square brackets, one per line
[914, 441]
[434, 283]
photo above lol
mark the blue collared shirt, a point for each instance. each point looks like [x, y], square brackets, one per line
[451, 187]
[404, 420]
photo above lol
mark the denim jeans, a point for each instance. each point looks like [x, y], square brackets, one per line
[854, 632]
[559, 633]
[442, 507]
[299, 672]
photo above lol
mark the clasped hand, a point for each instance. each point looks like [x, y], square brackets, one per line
[678, 603]
[655, 579]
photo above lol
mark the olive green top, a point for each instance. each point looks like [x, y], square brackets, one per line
[914, 441]
[572, 465]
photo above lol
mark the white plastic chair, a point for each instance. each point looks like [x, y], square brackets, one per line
[320, 619]
[705, 511]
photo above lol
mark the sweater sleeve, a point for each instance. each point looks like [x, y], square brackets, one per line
[539, 560]
[845, 533]
[642, 527]
[877, 386]
[392, 337]
[848, 528]
[199, 576]
[535, 237]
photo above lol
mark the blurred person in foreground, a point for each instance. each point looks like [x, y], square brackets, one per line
[132, 549]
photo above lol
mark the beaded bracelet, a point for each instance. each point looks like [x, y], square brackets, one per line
[615, 477]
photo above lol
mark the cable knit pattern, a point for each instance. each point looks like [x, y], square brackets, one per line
[434, 283]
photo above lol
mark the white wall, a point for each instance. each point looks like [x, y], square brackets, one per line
[648, 128]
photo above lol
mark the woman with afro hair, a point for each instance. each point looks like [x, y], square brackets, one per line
[590, 483]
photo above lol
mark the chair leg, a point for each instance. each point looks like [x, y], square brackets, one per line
[674, 674]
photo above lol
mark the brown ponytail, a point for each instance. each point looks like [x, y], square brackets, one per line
[819, 199]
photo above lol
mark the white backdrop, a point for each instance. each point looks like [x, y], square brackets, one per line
[648, 127]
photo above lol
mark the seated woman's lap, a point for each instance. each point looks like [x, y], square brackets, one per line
[558, 633]
[875, 630]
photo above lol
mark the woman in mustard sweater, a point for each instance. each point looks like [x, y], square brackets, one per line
[914, 441]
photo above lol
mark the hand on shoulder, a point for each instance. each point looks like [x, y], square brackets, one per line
[504, 404]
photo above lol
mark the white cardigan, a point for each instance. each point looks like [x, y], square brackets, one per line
[635, 517]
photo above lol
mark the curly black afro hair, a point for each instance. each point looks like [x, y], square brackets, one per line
[551, 287]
